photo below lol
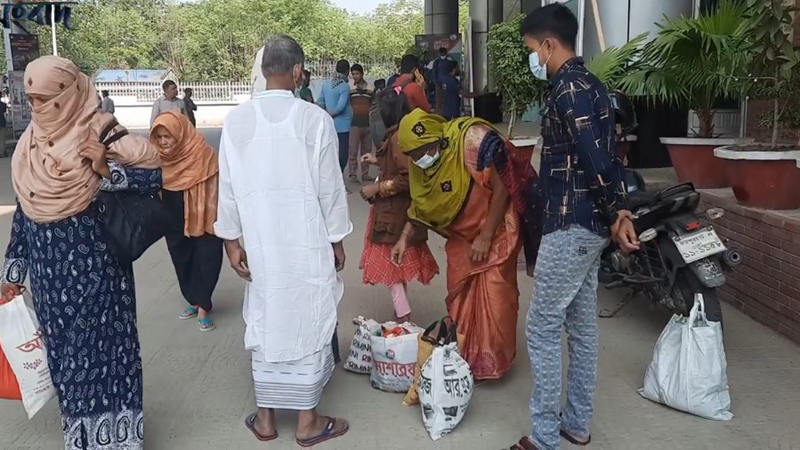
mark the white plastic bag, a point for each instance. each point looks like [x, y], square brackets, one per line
[359, 358]
[689, 370]
[445, 389]
[394, 359]
[23, 345]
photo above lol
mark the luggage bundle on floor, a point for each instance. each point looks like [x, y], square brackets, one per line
[425, 364]
[689, 369]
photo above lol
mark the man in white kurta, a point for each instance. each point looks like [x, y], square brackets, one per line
[283, 214]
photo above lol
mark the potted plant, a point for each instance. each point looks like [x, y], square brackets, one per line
[765, 175]
[611, 67]
[509, 68]
[688, 64]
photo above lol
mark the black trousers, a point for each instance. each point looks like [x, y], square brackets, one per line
[197, 260]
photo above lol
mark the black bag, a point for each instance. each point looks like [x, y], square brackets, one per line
[134, 220]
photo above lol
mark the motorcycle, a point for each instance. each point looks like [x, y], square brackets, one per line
[680, 252]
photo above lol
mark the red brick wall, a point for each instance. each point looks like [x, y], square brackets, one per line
[766, 286]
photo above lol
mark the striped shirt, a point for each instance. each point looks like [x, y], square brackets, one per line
[361, 100]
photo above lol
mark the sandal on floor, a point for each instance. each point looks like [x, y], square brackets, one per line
[206, 325]
[250, 423]
[326, 435]
[524, 444]
[189, 313]
[574, 440]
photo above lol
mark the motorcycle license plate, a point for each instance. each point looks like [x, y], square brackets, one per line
[696, 246]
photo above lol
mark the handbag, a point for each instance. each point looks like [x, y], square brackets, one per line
[134, 221]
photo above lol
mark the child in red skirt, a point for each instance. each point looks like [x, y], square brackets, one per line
[390, 200]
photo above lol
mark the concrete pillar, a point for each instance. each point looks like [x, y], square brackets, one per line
[441, 17]
[484, 14]
[529, 5]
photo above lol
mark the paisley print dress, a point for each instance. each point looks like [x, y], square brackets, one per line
[86, 305]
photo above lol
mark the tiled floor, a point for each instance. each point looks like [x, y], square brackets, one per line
[198, 388]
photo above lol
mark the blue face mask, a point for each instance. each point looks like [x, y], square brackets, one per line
[538, 69]
[427, 161]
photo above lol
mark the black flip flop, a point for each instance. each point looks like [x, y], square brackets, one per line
[250, 423]
[572, 440]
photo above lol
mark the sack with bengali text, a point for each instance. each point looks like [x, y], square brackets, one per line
[445, 389]
[439, 333]
[359, 358]
[394, 359]
[22, 342]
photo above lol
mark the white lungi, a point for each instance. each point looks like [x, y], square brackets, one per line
[295, 385]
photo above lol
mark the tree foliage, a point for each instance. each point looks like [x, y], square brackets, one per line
[207, 40]
[509, 68]
[691, 61]
[774, 62]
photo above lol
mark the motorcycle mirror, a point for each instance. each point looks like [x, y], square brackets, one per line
[714, 213]
[648, 235]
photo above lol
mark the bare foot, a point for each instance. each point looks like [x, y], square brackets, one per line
[202, 313]
[404, 319]
[265, 421]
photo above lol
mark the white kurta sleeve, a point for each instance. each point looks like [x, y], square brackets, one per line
[332, 193]
[228, 225]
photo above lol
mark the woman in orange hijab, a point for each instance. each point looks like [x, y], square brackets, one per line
[83, 296]
[191, 173]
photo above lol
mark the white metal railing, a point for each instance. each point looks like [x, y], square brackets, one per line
[148, 92]
[204, 92]
[727, 123]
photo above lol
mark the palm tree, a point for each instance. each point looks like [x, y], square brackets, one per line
[692, 61]
[615, 63]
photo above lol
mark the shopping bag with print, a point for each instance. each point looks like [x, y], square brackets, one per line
[439, 333]
[22, 342]
[359, 358]
[689, 369]
[445, 389]
[394, 356]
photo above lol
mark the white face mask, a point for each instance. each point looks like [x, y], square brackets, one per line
[427, 161]
[538, 69]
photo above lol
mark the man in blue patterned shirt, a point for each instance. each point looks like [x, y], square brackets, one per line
[582, 194]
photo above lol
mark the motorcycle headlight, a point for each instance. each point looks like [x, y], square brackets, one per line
[714, 213]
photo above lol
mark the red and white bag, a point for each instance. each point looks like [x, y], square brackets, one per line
[22, 342]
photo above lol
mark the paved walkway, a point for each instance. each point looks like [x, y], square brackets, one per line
[198, 388]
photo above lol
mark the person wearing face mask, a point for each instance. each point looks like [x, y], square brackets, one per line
[471, 186]
[84, 297]
[191, 177]
[583, 194]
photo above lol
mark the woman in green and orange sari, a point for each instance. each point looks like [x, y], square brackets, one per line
[470, 185]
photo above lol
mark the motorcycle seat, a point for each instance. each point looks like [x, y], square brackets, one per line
[641, 199]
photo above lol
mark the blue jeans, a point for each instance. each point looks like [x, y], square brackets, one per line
[564, 294]
[344, 149]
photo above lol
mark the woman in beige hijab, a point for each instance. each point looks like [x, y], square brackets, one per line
[83, 297]
[191, 178]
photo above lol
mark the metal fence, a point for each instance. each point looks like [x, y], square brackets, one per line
[224, 91]
[149, 92]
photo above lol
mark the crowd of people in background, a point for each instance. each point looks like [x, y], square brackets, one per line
[275, 199]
